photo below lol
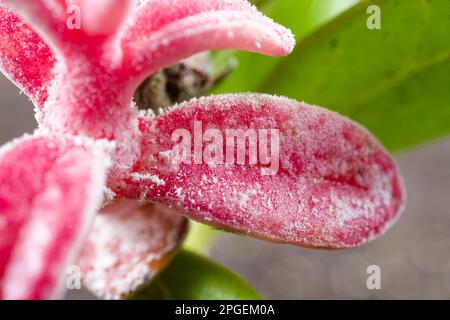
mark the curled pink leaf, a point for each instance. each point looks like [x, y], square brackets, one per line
[164, 32]
[330, 183]
[128, 245]
[49, 192]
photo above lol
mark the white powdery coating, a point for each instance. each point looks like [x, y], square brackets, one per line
[109, 195]
[146, 176]
[128, 245]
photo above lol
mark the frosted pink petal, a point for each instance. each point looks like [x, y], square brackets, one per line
[50, 189]
[128, 245]
[336, 186]
[164, 32]
[24, 57]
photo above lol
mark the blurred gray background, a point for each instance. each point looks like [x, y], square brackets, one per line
[414, 256]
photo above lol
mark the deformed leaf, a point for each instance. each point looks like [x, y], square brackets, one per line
[327, 183]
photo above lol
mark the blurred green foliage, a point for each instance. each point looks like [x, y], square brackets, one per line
[302, 16]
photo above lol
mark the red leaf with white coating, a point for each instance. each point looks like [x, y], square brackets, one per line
[335, 185]
[128, 245]
[49, 192]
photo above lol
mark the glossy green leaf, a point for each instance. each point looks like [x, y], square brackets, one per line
[395, 80]
[193, 277]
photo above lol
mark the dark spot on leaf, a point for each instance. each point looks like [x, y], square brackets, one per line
[334, 43]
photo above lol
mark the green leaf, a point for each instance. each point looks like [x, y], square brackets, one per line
[193, 277]
[395, 80]
[302, 17]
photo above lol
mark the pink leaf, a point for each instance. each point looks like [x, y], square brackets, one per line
[24, 57]
[333, 186]
[164, 32]
[128, 245]
[50, 189]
